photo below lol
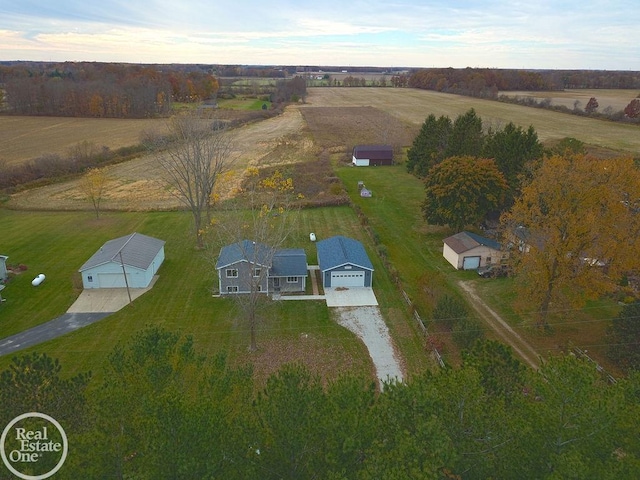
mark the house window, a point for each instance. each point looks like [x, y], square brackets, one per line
[232, 289]
[232, 273]
[256, 272]
[292, 279]
[89, 278]
[488, 260]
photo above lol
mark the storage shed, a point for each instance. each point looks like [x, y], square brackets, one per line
[3, 268]
[137, 255]
[344, 262]
[468, 251]
[372, 155]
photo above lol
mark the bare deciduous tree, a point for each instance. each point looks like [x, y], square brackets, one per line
[263, 217]
[201, 150]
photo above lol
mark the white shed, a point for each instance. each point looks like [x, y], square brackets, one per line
[3, 268]
[136, 255]
[468, 251]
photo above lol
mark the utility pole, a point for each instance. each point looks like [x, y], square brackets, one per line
[126, 282]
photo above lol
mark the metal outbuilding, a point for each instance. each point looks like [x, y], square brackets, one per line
[136, 255]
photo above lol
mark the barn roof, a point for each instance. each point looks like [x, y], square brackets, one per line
[465, 241]
[373, 152]
[137, 251]
[336, 251]
[247, 251]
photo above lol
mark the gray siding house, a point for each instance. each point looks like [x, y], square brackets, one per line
[137, 255]
[344, 262]
[248, 265]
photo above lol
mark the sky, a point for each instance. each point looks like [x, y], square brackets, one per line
[540, 34]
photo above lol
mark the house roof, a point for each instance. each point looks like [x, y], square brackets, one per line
[245, 251]
[464, 241]
[337, 251]
[373, 152]
[137, 251]
[290, 262]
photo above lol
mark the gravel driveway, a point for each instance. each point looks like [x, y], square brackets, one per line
[367, 323]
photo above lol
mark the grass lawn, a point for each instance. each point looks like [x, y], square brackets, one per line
[415, 250]
[57, 244]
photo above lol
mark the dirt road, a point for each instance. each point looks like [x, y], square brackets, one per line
[498, 325]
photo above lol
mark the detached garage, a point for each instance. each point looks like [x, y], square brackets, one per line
[343, 262]
[468, 251]
[372, 155]
[136, 255]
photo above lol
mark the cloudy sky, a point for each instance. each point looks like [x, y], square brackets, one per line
[589, 34]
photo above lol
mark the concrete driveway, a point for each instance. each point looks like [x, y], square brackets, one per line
[350, 297]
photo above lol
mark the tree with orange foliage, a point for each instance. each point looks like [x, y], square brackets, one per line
[578, 223]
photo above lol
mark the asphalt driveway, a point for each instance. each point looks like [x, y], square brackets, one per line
[91, 306]
[48, 331]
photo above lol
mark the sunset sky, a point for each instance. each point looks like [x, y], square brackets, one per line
[411, 33]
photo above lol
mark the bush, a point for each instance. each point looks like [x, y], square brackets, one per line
[449, 311]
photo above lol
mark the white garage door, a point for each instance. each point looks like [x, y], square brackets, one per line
[112, 280]
[347, 279]
[470, 263]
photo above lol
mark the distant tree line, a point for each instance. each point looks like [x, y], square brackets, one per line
[291, 90]
[630, 114]
[109, 90]
[487, 82]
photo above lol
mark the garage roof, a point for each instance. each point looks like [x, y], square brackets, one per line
[465, 241]
[337, 251]
[137, 251]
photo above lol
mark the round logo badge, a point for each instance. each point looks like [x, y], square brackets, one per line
[33, 446]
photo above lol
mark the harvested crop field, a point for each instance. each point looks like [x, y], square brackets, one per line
[24, 138]
[137, 185]
[331, 119]
[413, 106]
[348, 126]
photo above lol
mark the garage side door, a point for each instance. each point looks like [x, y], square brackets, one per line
[470, 263]
[347, 279]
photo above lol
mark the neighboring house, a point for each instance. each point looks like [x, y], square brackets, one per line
[372, 155]
[248, 263]
[3, 268]
[468, 251]
[137, 255]
[344, 263]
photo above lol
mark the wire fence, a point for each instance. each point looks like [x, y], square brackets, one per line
[423, 327]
